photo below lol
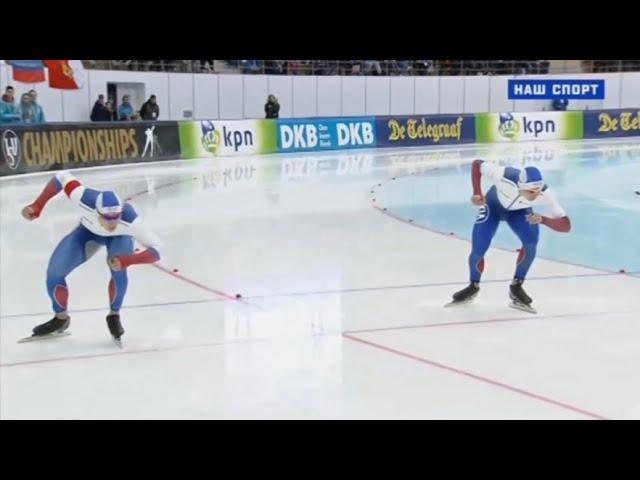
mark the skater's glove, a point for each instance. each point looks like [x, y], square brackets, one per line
[115, 264]
[31, 212]
[150, 255]
[534, 219]
[477, 200]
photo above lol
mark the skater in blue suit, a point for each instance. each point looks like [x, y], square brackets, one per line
[104, 220]
[511, 198]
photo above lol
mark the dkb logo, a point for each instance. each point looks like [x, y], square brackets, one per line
[11, 149]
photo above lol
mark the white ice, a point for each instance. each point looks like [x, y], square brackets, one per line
[342, 311]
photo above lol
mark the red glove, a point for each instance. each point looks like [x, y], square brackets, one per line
[150, 255]
[31, 212]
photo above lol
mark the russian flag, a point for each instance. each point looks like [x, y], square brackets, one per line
[27, 71]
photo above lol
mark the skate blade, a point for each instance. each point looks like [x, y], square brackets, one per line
[522, 307]
[49, 336]
[457, 304]
[117, 341]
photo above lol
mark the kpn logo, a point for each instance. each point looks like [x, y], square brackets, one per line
[556, 89]
[210, 137]
[509, 127]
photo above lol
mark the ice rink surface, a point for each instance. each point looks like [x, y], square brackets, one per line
[344, 261]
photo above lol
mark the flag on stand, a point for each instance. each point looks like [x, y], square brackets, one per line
[65, 74]
[27, 71]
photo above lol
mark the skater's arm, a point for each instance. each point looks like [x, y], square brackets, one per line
[479, 169]
[144, 235]
[150, 255]
[558, 219]
[71, 185]
[562, 224]
[475, 177]
[61, 181]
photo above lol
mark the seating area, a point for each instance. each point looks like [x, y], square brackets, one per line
[370, 67]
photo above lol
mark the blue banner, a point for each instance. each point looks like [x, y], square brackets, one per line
[417, 130]
[553, 89]
[612, 123]
[311, 134]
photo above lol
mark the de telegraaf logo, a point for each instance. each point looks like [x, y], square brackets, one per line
[509, 127]
[210, 137]
[11, 149]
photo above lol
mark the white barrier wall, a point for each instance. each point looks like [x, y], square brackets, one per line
[243, 96]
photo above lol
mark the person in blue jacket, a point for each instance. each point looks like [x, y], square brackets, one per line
[26, 109]
[37, 106]
[125, 110]
[560, 104]
[8, 113]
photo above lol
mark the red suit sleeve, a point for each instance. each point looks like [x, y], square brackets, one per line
[54, 186]
[150, 255]
[475, 177]
[562, 224]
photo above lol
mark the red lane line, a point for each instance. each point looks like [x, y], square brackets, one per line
[473, 376]
[176, 275]
[491, 320]
[199, 285]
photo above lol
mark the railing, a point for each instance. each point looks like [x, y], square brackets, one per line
[371, 67]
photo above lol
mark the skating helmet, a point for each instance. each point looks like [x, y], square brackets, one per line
[109, 205]
[530, 178]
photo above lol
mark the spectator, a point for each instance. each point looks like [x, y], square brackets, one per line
[270, 67]
[500, 67]
[150, 109]
[544, 66]
[26, 109]
[293, 67]
[37, 106]
[272, 107]
[169, 65]
[372, 67]
[8, 112]
[275, 67]
[320, 67]
[100, 112]
[144, 65]
[256, 66]
[345, 67]
[206, 67]
[422, 67]
[306, 67]
[111, 108]
[126, 111]
[560, 104]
